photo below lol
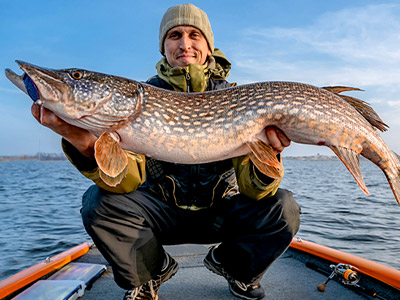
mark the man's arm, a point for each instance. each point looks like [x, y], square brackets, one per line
[78, 146]
[80, 138]
[277, 139]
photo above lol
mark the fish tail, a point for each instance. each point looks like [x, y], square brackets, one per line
[395, 181]
[396, 155]
[395, 185]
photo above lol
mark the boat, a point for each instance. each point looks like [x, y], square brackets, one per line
[305, 271]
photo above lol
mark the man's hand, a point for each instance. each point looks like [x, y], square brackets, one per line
[80, 138]
[277, 139]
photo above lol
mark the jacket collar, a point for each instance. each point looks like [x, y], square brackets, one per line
[194, 78]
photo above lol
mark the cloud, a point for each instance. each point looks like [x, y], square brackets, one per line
[395, 104]
[354, 35]
[357, 46]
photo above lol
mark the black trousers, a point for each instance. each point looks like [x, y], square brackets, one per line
[131, 229]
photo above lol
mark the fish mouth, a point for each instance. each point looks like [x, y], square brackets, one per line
[39, 81]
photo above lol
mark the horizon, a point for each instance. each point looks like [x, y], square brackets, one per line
[353, 43]
[62, 154]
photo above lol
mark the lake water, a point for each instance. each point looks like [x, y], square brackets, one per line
[40, 202]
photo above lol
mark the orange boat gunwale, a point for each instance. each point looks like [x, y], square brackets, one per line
[373, 269]
[35, 272]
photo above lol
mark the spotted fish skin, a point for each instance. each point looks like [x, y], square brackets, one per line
[216, 124]
[194, 128]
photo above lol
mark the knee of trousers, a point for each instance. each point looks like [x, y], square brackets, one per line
[110, 209]
[99, 205]
[91, 200]
[290, 210]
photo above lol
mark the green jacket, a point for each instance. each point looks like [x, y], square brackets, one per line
[235, 175]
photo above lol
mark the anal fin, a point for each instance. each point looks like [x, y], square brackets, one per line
[350, 158]
[111, 159]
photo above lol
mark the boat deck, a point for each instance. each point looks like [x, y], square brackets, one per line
[288, 278]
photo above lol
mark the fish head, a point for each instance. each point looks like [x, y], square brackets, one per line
[91, 100]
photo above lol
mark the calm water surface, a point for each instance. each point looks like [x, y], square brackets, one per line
[40, 202]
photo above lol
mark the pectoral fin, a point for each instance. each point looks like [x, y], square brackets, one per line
[350, 158]
[264, 158]
[111, 159]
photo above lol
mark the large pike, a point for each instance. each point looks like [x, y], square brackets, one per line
[203, 127]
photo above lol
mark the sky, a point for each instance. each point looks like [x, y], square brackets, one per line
[343, 42]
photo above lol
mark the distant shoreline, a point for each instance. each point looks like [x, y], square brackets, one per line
[37, 157]
[317, 157]
[61, 157]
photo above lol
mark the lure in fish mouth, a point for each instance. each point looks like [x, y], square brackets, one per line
[31, 88]
[195, 128]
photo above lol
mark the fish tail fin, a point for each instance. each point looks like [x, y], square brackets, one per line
[395, 185]
[395, 182]
[350, 158]
[396, 155]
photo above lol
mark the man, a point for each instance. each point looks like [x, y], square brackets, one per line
[158, 203]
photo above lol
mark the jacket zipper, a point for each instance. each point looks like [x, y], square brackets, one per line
[187, 77]
[194, 176]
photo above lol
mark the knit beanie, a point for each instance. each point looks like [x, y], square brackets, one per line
[186, 14]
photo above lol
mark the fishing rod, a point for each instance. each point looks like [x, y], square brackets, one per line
[349, 275]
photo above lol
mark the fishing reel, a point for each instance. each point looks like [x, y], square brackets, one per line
[347, 273]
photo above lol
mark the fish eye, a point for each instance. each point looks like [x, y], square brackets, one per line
[77, 74]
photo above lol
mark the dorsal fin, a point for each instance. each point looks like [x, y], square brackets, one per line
[361, 106]
[339, 89]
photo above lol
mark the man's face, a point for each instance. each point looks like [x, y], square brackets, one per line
[185, 45]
